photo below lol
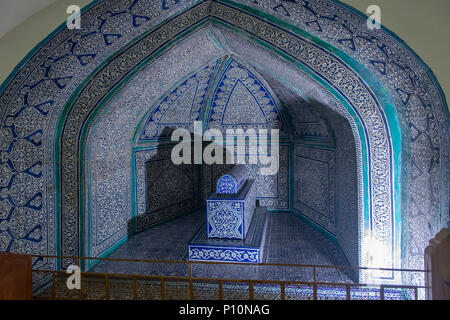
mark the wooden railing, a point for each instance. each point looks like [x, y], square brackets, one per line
[308, 289]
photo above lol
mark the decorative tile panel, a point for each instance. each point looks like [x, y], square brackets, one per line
[229, 215]
[181, 107]
[223, 254]
[420, 105]
[242, 100]
[97, 90]
[314, 185]
[381, 214]
[164, 188]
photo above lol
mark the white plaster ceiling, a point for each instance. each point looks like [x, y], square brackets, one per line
[14, 12]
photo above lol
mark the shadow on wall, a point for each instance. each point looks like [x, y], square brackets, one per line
[170, 190]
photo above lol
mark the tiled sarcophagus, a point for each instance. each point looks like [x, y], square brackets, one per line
[228, 214]
[235, 228]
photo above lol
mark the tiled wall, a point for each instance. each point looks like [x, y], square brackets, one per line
[314, 185]
[166, 189]
[325, 186]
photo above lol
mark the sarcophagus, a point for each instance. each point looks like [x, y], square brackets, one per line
[229, 214]
[235, 228]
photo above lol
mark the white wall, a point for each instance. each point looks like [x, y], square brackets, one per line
[14, 12]
[23, 37]
[425, 27]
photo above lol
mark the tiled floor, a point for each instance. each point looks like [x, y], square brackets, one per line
[288, 240]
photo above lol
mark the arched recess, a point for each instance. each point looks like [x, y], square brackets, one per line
[370, 107]
[158, 122]
[59, 67]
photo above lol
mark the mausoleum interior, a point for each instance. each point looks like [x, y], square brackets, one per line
[357, 122]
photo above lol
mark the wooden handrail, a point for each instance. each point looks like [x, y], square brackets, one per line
[251, 283]
[315, 284]
[228, 263]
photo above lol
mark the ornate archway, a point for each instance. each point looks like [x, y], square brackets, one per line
[397, 107]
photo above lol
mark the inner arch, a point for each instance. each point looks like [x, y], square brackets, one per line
[308, 133]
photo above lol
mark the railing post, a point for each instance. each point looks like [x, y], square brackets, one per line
[220, 290]
[53, 285]
[106, 287]
[282, 289]
[163, 293]
[347, 290]
[80, 291]
[191, 289]
[250, 290]
[315, 290]
[134, 289]
[314, 284]
[381, 292]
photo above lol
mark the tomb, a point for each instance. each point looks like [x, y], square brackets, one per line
[235, 228]
[229, 211]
